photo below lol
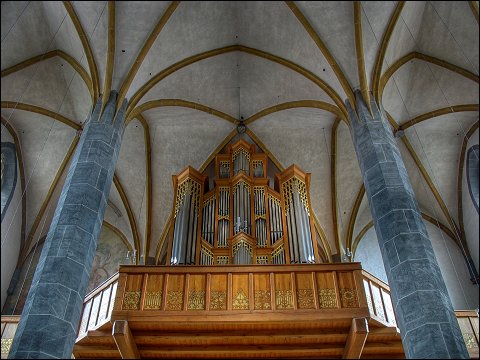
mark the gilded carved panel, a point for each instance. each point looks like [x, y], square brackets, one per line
[6, 345]
[305, 299]
[218, 300]
[262, 300]
[327, 298]
[240, 301]
[153, 300]
[284, 299]
[131, 300]
[349, 298]
[196, 300]
[174, 300]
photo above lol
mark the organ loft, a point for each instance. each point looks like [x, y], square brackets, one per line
[242, 220]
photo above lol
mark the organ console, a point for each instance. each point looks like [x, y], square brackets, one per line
[242, 220]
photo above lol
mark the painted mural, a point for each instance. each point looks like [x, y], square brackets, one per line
[111, 252]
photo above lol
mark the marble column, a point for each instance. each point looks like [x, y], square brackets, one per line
[425, 316]
[49, 322]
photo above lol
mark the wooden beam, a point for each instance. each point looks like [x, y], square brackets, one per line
[123, 338]
[356, 339]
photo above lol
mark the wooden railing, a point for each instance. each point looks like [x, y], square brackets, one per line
[468, 321]
[98, 306]
[9, 327]
[244, 288]
[378, 300]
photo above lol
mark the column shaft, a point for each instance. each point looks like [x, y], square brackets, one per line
[49, 322]
[425, 315]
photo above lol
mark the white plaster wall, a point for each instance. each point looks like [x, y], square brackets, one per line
[470, 214]
[369, 254]
[11, 230]
[463, 294]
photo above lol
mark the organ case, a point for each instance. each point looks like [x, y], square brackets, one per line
[242, 220]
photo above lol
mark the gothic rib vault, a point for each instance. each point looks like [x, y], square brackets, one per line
[192, 70]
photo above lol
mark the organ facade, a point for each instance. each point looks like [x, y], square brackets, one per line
[242, 220]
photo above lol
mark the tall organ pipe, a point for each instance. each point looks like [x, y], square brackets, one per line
[188, 245]
[194, 236]
[180, 219]
[293, 232]
[270, 219]
[212, 221]
[185, 226]
[299, 228]
[175, 237]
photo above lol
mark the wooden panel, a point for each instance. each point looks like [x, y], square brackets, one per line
[387, 302]
[218, 292]
[104, 303]
[240, 292]
[474, 323]
[175, 289]
[328, 297]
[305, 292]
[133, 288]
[7, 338]
[196, 292]
[113, 298]
[262, 292]
[85, 316]
[347, 289]
[469, 337]
[283, 291]
[368, 295]
[153, 292]
[377, 302]
[92, 322]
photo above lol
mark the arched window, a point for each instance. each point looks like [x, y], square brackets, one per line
[472, 173]
[9, 174]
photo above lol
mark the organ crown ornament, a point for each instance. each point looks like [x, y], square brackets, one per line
[242, 220]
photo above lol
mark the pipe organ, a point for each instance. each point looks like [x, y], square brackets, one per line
[242, 220]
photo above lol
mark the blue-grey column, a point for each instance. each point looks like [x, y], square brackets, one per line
[425, 315]
[49, 322]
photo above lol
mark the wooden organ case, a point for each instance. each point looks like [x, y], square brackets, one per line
[242, 220]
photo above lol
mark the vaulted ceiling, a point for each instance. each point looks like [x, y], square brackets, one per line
[192, 70]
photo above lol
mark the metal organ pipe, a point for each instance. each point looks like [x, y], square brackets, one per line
[176, 231]
[271, 222]
[181, 230]
[210, 221]
[309, 237]
[296, 254]
[300, 227]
